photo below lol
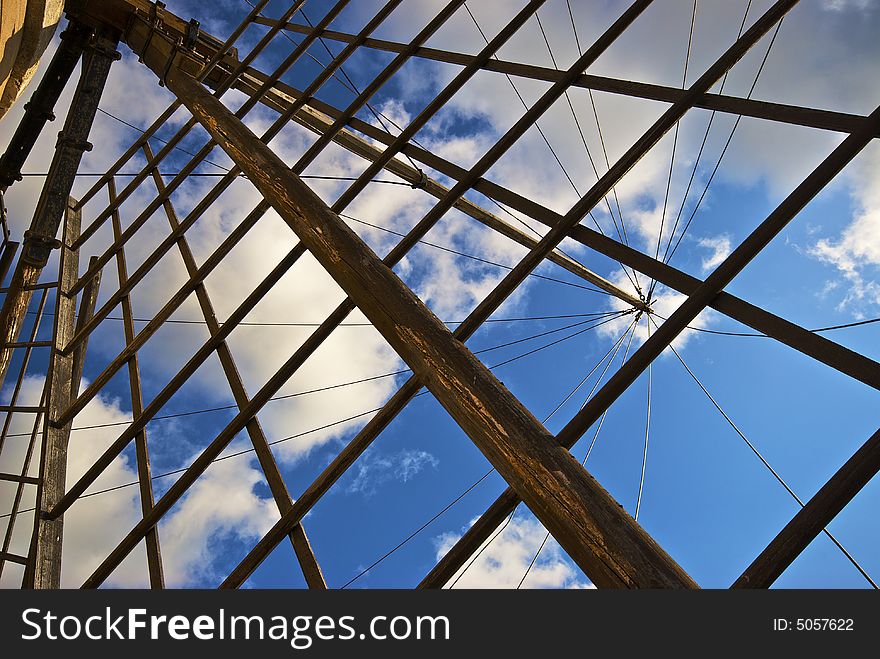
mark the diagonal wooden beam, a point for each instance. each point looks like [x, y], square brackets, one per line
[790, 114]
[803, 528]
[559, 490]
[298, 539]
[322, 124]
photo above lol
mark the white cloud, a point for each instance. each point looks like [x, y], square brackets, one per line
[374, 469]
[503, 562]
[221, 505]
[719, 249]
[855, 252]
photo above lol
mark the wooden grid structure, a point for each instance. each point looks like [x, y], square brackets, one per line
[606, 542]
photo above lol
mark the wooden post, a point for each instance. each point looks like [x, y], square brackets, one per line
[40, 238]
[45, 570]
[611, 548]
[308, 562]
[803, 528]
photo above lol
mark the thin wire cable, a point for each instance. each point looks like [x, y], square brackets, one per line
[347, 84]
[599, 321]
[647, 435]
[598, 124]
[379, 117]
[577, 122]
[727, 143]
[297, 435]
[456, 500]
[687, 60]
[537, 126]
[474, 258]
[615, 347]
[416, 532]
[769, 467]
[583, 381]
[621, 236]
[702, 144]
[159, 139]
[364, 324]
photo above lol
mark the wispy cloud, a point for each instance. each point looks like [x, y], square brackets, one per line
[375, 469]
[503, 562]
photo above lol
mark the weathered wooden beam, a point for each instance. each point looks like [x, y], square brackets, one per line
[298, 539]
[10, 247]
[40, 109]
[155, 569]
[587, 522]
[40, 238]
[86, 309]
[322, 124]
[16, 478]
[810, 520]
[790, 114]
[45, 571]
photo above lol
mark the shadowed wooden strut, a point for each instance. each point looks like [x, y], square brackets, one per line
[298, 539]
[611, 548]
[44, 568]
[803, 528]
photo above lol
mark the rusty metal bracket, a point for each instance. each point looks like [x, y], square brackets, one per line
[192, 34]
[80, 145]
[37, 248]
[176, 46]
[422, 183]
[153, 22]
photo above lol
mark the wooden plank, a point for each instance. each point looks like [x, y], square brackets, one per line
[587, 522]
[299, 540]
[810, 520]
[155, 569]
[86, 309]
[45, 571]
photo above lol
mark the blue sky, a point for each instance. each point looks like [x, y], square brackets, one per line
[707, 498]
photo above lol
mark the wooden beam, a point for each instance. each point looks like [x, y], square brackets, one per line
[155, 569]
[588, 523]
[322, 124]
[790, 114]
[86, 309]
[810, 520]
[298, 539]
[45, 571]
